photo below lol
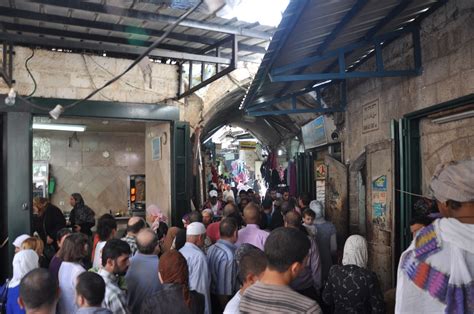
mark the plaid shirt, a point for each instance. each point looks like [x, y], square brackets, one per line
[132, 242]
[115, 298]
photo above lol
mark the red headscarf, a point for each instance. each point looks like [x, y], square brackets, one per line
[173, 268]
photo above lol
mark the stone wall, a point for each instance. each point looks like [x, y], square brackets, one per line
[74, 76]
[82, 168]
[158, 172]
[445, 142]
[447, 41]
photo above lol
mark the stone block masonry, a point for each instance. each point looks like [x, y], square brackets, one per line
[72, 75]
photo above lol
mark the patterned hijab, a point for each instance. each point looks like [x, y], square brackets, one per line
[355, 251]
[82, 212]
[173, 269]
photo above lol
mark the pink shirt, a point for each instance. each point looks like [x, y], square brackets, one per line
[252, 234]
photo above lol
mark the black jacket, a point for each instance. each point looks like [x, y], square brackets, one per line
[170, 300]
[49, 223]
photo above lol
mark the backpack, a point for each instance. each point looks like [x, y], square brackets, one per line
[4, 298]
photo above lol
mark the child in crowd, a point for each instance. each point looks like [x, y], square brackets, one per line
[90, 292]
[308, 222]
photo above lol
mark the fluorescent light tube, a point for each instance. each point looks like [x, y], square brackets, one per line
[59, 127]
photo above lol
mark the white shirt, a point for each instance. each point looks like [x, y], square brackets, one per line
[67, 277]
[232, 306]
[199, 276]
[97, 263]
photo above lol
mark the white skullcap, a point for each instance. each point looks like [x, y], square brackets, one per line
[20, 239]
[213, 193]
[195, 228]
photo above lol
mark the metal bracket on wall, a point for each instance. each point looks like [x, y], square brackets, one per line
[6, 71]
[200, 81]
[317, 89]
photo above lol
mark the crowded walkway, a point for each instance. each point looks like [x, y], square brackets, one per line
[255, 263]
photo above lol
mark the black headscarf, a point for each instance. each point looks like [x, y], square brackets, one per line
[82, 213]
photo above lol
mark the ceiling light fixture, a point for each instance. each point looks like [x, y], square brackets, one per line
[56, 112]
[59, 127]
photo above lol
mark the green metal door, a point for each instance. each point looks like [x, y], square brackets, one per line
[180, 172]
[17, 182]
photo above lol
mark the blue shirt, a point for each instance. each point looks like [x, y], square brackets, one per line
[12, 297]
[142, 280]
[223, 267]
[199, 277]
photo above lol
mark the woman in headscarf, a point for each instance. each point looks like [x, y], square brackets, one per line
[37, 245]
[82, 217]
[436, 272]
[23, 262]
[325, 239]
[47, 221]
[175, 296]
[169, 242]
[352, 288]
[157, 220]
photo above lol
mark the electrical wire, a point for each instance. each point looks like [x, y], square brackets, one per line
[30, 74]
[91, 79]
[124, 81]
[133, 64]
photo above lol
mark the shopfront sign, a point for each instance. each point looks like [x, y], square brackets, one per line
[314, 133]
[370, 117]
[248, 145]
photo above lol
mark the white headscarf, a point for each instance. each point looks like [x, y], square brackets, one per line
[318, 208]
[23, 262]
[355, 251]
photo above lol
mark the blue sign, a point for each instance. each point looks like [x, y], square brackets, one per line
[314, 133]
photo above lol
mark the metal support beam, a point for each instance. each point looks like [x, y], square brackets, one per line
[356, 8]
[293, 98]
[219, 74]
[90, 24]
[337, 52]
[344, 73]
[294, 111]
[340, 26]
[91, 37]
[100, 47]
[119, 28]
[153, 17]
[6, 71]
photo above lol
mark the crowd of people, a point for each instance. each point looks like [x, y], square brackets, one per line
[244, 254]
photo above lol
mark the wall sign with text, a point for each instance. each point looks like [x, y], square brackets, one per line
[370, 117]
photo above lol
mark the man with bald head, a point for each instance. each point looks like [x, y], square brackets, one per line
[134, 225]
[230, 210]
[141, 275]
[252, 233]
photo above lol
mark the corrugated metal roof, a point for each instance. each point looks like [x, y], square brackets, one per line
[92, 21]
[312, 27]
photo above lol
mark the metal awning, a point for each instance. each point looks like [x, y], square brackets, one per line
[320, 44]
[124, 28]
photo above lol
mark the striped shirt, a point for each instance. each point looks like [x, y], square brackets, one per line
[115, 298]
[132, 242]
[199, 277]
[223, 267]
[263, 298]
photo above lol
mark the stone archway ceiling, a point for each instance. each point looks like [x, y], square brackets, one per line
[271, 131]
